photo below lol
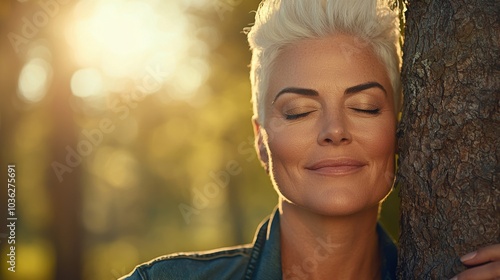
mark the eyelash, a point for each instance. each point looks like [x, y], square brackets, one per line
[370, 112]
[296, 116]
[301, 115]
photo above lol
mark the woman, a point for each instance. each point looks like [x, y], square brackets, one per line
[325, 87]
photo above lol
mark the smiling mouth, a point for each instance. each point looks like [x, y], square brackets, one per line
[337, 167]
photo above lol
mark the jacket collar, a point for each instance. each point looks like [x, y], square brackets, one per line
[265, 259]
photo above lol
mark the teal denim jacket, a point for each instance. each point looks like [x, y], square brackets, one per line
[260, 260]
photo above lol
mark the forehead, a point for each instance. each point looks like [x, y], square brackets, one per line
[324, 64]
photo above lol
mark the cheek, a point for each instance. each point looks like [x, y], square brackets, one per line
[382, 137]
[288, 146]
[385, 143]
[382, 151]
[284, 145]
[379, 143]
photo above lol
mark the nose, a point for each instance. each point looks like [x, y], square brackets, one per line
[334, 131]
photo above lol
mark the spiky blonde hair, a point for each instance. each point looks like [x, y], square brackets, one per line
[279, 23]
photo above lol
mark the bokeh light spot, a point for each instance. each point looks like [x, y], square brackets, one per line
[189, 77]
[86, 82]
[33, 80]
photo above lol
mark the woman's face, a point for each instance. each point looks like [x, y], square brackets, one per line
[329, 131]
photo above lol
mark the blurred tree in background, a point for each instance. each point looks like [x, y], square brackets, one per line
[129, 124]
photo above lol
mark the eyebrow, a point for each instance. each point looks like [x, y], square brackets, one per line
[301, 91]
[365, 86]
[312, 92]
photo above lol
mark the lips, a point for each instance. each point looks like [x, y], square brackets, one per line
[336, 167]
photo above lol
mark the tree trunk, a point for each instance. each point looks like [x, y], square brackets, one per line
[9, 117]
[65, 188]
[449, 135]
[66, 192]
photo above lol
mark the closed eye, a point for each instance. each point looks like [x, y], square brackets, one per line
[365, 111]
[297, 116]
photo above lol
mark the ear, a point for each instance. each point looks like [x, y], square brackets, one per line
[259, 144]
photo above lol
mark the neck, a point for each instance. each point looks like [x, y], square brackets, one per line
[315, 246]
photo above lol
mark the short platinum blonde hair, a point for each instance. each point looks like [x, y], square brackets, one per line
[279, 23]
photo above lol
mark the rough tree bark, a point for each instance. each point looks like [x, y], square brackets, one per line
[450, 135]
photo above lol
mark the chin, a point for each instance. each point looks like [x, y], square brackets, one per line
[342, 209]
[334, 205]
